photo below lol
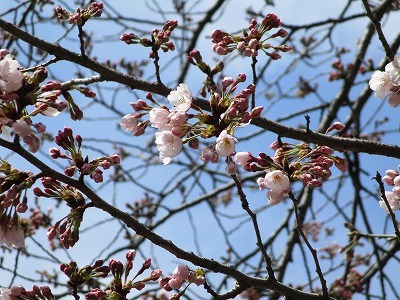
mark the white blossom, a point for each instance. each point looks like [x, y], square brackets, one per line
[381, 84]
[181, 99]
[10, 75]
[168, 145]
[225, 145]
[392, 199]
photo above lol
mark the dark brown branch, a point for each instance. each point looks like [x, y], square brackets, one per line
[109, 74]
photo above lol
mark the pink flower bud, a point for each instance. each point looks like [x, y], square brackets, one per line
[155, 274]
[54, 153]
[175, 283]
[51, 233]
[335, 126]
[130, 255]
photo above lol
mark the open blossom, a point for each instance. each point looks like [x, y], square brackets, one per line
[10, 75]
[130, 123]
[381, 84]
[225, 145]
[159, 118]
[278, 183]
[13, 237]
[392, 199]
[21, 128]
[168, 145]
[392, 70]
[181, 99]
[243, 158]
[394, 99]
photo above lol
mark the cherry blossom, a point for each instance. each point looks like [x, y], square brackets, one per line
[130, 123]
[159, 118]
[392, 199]
[5, 294]
[243, 158]
[13, 237]
[392, 70]
[394, 99]
[381, 84]
[278, 183]
[181, 99]
[168, 145]
[225, 145]
[21, 128]
[10, 75]
[277, 180]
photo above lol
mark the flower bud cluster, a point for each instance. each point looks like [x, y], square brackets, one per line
[159, 38]
[341, 71]
[66, 140]
[82, 15]
[387, 83]
[19, 292]
[12, 185]
[68, 228]
[78, 276]
[121, 285]
[345, 290]
[180, 275]
[253, 40]
[392, 178]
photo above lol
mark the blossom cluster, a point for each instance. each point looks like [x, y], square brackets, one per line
[175, 129]
[249, 43]
[19, 90]
[387, 83]
[392, 178]
[180, 275]
[291, 163]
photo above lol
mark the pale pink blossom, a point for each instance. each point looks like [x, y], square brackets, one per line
[277, 180]
[225, 144]
[278, 183]
[10, 75]
[168, 145]
[129, 122]
[13, 237]
[392, 70]
[206, 154]
[159, 118]
[21, 128]
[32, 141]
[175, 283]
[178, 118]
[5, 294]
[394, 99]
[392, 199]
[243, 158]
[380, 83]
[231, 168]
[274, 196]
[181, 273]
[262, 184]
[181, 99]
